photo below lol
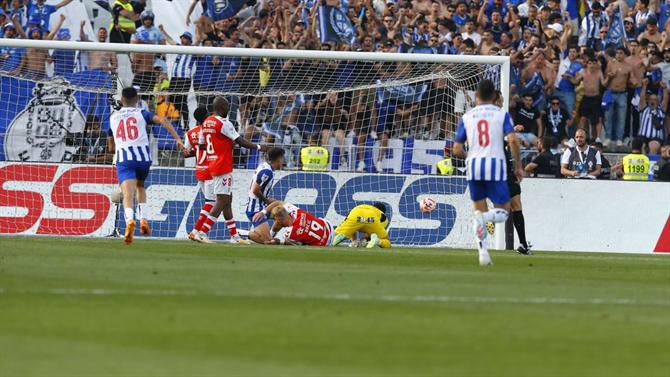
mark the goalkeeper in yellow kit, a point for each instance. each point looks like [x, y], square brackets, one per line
[368, 219]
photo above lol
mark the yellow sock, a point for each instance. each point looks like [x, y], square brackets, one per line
[385, 243]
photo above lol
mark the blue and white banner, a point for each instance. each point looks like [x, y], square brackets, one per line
[616, 33]
[38, 119]
[221, 9]
[335, 26]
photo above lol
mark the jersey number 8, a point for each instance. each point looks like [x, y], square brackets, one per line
[210, 146]
[483, 133]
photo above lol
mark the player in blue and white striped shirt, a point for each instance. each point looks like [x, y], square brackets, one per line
[484, 127]
[259, 191]
[128, 135]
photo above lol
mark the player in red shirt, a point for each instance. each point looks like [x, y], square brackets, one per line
[303, 228]
[205, 182]
[219, 136]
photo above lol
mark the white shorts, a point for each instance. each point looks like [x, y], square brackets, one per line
[461, 104]
[207, 189]
[223, 184]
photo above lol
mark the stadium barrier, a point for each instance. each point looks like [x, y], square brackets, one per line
[65, 199]
[594, 216]
[561, 215]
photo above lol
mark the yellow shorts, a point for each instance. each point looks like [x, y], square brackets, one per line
[363, 218]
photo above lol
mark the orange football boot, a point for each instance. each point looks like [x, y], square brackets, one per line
[130, 232]
[144, 227]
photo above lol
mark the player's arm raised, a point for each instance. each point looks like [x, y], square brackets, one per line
[168, 126]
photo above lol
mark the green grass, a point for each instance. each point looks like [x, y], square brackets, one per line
[81, 307]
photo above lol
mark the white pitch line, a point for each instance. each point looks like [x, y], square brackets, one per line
[340, 297]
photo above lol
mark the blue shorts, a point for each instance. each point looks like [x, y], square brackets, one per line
[133, 170]
[250, 216]
[497, 191]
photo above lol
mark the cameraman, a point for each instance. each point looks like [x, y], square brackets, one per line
[581, 161]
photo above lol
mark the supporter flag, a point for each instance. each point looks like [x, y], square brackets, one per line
[222, 9]
[334, 25]
[615, 34]
[400, 93]
[45, 121]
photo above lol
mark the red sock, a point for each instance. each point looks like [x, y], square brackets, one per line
[207, 224]
[204, 212]
[232, 227]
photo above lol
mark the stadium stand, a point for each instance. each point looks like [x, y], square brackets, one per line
[577, 64]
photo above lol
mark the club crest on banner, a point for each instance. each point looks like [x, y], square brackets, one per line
[220, 6]
[340, 24]
[44, 129]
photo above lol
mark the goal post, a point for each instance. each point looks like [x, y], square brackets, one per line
[384, 117]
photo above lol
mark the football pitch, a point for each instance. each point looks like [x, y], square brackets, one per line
[86, 307]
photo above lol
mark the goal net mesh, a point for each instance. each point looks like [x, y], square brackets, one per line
[385, 123]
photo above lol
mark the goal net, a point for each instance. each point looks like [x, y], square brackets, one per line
[386, 119]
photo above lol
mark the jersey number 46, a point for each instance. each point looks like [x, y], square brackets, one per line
[127, 130]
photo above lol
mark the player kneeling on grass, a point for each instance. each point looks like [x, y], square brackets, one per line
[303, 228]
[128, 138]
[369, 219]
[260, 187]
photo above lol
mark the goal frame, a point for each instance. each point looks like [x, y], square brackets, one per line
[503, 61]
[122, 48]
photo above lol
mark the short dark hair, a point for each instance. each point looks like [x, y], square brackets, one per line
[382, 207]
[200, 114]
[275, 153]
[547, 141]
[129, 93]
[637, 143]
[554, 17]
[486, 90]
[469, 43]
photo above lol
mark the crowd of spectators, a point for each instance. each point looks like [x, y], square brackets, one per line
[602, 66]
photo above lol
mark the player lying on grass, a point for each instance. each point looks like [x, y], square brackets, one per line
[259, 190]
[205, 183]
[129, 140]
[368, 219]
[303, 228]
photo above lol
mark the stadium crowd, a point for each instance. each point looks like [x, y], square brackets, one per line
[602, 66]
